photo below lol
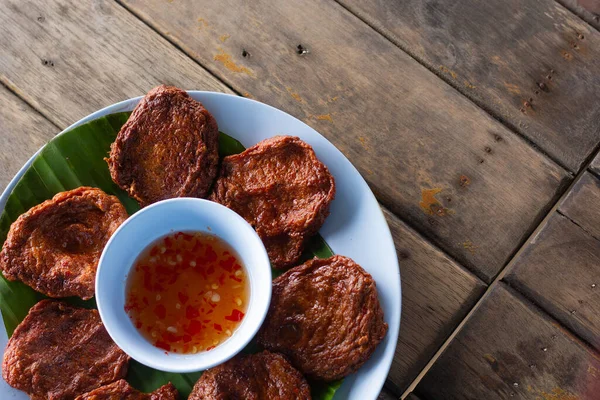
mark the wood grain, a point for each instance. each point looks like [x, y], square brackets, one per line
[588, 10]
[533, 64]
[428, 153]
[560, 268]
[508, 349]
[23, 131]
[436, 295]
[70, 58]
[595, 165]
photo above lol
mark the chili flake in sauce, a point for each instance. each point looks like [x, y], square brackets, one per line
[187, 292]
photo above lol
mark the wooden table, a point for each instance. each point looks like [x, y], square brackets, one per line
[475, 123]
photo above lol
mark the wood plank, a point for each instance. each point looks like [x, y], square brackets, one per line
[386, 395]
[23, 131]
[560, 269]
[595, 165]
[588, 10]
[428, 153]
[70, 58]
[531, 63]
[508, 349]
[436, 296]
[581, 204]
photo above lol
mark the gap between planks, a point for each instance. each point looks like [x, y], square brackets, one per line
[498, 280]
[13, 89]
[581, 13]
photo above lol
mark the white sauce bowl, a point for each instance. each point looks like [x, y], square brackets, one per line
[140, 231]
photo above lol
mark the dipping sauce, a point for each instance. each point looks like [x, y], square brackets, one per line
[187, 292]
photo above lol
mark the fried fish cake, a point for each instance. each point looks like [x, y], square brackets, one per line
[262, 376]
[282, 189]
[167, 148]
[325, 317]
[55, 246]
[60, 351]
[121, 390]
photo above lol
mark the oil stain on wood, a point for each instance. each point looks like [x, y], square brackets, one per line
[431, 205]
[225, 59]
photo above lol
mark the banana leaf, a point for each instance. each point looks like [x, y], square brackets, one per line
[76, 158]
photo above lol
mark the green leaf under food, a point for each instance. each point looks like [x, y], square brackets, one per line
[324, 390]
[74, 159]
[16, 299]
[229, 146]
[147, 379]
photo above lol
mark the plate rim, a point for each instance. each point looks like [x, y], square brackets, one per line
[127, 105]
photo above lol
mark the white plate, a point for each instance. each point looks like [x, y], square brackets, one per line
[355, 228]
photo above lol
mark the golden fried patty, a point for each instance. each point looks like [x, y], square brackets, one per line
[325, 317]
[55, 246]
[282, 189]
[262, 376]
[121, 390]
[60, 351]
[167, 148]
